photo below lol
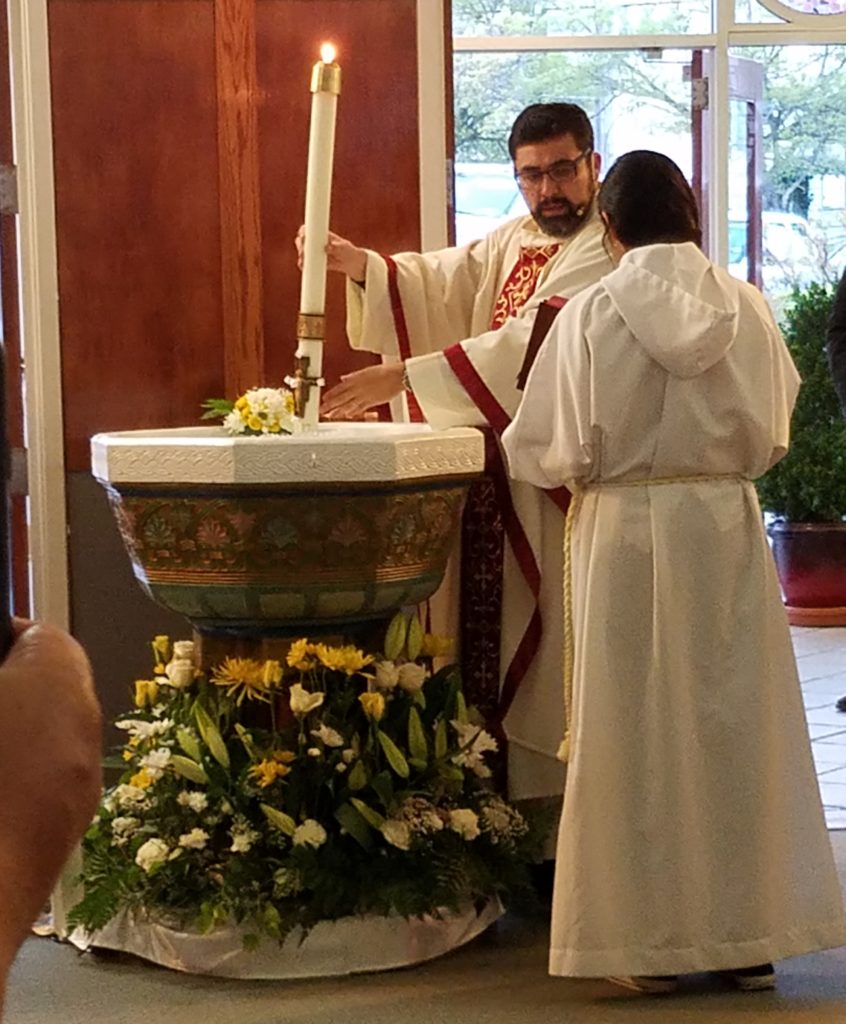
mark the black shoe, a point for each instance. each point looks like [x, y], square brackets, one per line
[841, 704]
[751, 979]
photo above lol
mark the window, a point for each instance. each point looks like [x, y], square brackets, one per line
[753, 110]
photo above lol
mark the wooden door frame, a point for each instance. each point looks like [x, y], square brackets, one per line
[39, 309]
[434, 76]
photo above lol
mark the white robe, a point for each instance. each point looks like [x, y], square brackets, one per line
[449, 297]
[692, 835]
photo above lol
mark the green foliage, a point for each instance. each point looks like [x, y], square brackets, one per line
[216, 408]
[809, 484]
[279, 796]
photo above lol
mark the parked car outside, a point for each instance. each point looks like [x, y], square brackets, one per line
[486, 195]
[792, 254]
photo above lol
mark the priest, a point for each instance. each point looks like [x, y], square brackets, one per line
[453, 328]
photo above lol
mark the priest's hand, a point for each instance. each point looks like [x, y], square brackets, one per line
[362, 390]
[341, 255]
[50, 779]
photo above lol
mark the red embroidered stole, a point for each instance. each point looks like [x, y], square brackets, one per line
[520, 284]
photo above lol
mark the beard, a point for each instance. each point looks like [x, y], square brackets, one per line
[567, 219]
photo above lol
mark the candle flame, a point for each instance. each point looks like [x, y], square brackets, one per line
[327, 53]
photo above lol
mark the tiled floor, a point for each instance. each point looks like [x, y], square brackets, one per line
[821, 657]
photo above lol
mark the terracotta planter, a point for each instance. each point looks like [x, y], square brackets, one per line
[811, 563]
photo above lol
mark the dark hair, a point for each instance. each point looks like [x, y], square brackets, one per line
[647, 199]
[542, 121]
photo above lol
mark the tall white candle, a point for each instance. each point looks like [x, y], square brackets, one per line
[325, 87]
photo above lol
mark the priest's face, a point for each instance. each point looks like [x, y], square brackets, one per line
[558, 181]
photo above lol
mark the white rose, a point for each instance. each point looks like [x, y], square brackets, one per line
[183, 650]
[180, 673]
[465, 822]
[397, 833]
[196, 839]
[328, 735]
[387, 675]
[310, 833]
[412, 677]
[153, 853]
[302, 701]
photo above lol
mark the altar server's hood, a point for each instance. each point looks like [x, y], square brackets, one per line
[680, 307]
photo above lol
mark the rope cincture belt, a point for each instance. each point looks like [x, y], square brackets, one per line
[572, 514]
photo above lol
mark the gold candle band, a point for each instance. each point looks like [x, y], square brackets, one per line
[326, 78]
[311, 326]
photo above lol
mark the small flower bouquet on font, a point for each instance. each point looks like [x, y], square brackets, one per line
[278, 795]
[259, 411]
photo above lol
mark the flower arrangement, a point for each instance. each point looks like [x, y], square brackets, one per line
[259, 411]
[280, 794]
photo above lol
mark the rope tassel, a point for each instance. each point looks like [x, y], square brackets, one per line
[569, 645]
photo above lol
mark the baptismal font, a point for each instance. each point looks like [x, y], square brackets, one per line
[263, 541]
[328, 529]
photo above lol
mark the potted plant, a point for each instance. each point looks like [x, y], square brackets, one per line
[806, 492]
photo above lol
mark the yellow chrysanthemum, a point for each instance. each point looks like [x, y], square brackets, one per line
[301, 655]
[127, 755]
[246, 677]
[142, 779]
[373, 704]
[342, 659]
[268, 771]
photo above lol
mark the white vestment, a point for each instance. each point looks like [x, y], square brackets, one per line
[692, 835]
[448, 297]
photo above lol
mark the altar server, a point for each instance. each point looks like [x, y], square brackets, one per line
[692, 836]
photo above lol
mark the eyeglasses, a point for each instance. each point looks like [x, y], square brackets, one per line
[559, 173]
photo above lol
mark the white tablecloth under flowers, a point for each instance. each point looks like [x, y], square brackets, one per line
[352, 945]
